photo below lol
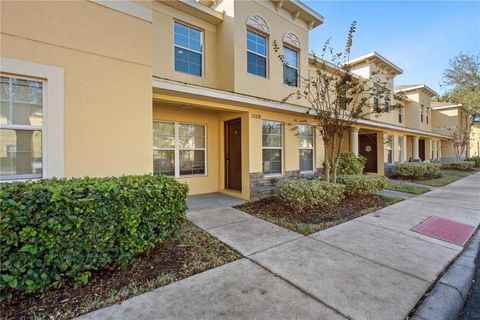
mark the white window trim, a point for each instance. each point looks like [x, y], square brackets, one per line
[312, 148]
[202, 74]
[258, 54]
[176, 150]
[274, 148]
[377, 99]
[53, 110]
[388, 106]
[390, 147]
[297, 64]
[26, 127]
[400, 149]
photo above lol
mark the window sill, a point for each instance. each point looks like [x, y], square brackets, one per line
[20, 180]
[272, 175]
[192, 176]
[190, 74]
[257, 76]
[307, 172]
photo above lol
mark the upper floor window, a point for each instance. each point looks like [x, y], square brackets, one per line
[272, 141]
[256, 54]
[188, 49]
[343, 98]
[388, 104]
[376, 103]
[426, 115]
[400, 115]
[306, 147]
[422, 112]
[290, 69]
[21, 128]
[179, 149]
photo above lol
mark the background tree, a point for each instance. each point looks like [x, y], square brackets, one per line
[337, 98]
[462, 81]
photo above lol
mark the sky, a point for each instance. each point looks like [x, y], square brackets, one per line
[418, 36]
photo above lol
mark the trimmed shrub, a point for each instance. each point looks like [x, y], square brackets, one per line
[362, 185]
[349, 163]
[304, 194]
[416, 170]
[56, 229]
[476, 160]
[458, 165]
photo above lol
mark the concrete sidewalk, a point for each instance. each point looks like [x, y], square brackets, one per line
[373, 267]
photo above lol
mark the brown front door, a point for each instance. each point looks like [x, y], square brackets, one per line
[367, 144]
[421, 149]
[233, 154]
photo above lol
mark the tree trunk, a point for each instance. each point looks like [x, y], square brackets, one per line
[336, 158]
[457, 153]
[327, 162]
[332, 155]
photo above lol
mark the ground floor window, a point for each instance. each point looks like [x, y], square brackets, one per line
[21, 128]
[179, 149]
[390, 149]
[272, 142]
[306, 147]
[400, 149]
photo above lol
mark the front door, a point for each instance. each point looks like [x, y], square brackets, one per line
[421, 149]
[368, 148]
[233, 154]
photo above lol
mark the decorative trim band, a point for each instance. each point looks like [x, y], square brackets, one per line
[129, 8]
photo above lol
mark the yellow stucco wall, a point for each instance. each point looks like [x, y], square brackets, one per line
[163, 44]
[446, 121]
[272, 86]
[168, 112]
[106, 57]
[474, 144]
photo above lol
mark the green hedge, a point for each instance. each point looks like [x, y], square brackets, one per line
[52, 230]
[305, 194]
[476, 160]
[458, 165]
[362, 185]
[416, 170]
[349, 163]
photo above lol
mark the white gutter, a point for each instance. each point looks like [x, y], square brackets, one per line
[185, 88]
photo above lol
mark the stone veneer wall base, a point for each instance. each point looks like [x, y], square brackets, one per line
[262, 186]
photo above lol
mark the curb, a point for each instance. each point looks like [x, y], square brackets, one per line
[446, 299]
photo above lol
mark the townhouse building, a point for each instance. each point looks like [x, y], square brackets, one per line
[449, 118]
[189, 89]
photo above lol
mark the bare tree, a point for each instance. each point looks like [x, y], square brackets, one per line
[460, 138]
[462, 79]
[337, 98]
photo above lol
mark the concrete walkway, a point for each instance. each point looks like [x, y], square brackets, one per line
[398, 194]
[373, 267]
[414, 184]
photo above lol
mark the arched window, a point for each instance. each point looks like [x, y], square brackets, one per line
[257, 45]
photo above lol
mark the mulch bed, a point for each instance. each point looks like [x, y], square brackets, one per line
[276, 211]
[192, 252]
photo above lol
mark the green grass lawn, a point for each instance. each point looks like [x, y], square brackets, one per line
[395, 186]
[447, 176]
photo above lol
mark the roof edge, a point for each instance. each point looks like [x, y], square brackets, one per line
[420, 86]
[377, 55]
